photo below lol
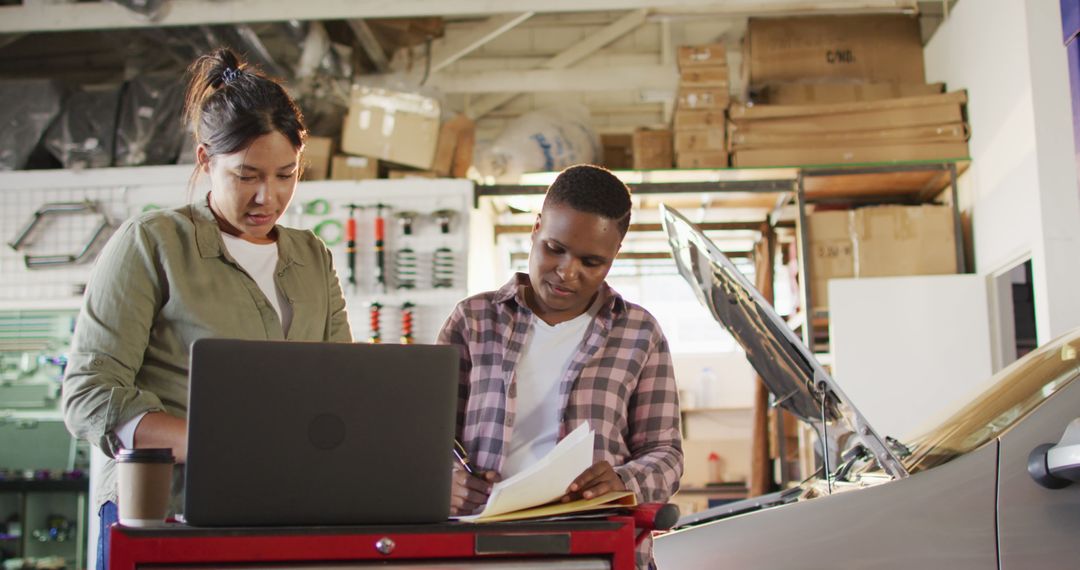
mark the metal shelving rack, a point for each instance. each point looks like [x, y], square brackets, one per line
[880, 183]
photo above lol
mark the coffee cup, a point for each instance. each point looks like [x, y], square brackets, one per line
[144, 483]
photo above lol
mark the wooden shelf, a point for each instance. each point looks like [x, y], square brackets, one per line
[913, 181]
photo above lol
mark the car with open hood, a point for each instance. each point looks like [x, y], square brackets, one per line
[994, 486]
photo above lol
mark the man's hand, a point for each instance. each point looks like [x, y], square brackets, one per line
[595, 481]
[468, 492]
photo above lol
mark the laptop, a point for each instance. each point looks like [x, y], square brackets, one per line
[310, 433]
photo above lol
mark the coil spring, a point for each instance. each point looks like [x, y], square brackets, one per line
[407, 322]
[374, 314]
[405, 268]
[442, 268]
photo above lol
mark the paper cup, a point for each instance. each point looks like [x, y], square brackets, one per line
[144, 482]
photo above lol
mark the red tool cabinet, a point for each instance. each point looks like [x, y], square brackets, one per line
[572, 544]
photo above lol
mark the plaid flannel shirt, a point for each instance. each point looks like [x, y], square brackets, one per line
[621, 381]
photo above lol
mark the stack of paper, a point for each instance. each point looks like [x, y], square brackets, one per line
[546, 481]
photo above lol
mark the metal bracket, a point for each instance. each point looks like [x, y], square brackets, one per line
[52, 210]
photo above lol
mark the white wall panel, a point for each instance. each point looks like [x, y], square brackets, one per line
[908, 350]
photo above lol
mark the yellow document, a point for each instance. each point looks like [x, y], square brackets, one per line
[614, 499]
[532, 492]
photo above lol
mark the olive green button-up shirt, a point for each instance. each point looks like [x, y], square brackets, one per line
[163, 281]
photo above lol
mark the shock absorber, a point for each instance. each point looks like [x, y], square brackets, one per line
[407, 309]
[375, 315]
[380, 248]
[442, 274]
[350, 248]
[405, 258]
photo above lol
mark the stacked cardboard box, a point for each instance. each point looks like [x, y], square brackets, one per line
[703, 97]
[316, 159]
[651, 149]
[878, 241]
[929, 127]
[389, 131]
[824, 49]
[842, 89]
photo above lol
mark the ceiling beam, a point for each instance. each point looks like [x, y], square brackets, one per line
[623, 78]
[567, 58]
[453, 50]
[49, 17]
[370, 44]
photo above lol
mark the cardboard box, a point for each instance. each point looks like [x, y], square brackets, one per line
[316, 159]
[708, 159]
[618, 151]
[905, 240]
[400, 174]
[849, 122]
[870, 48]
[849, 154]
[849, 92]
[831, 252]
[740, 112]
[743, 140]
[704, 77]
[878, 241]
[698, 98]
[392, 125]
[454, 153]
[345, 167]
[698, 119]
[705, 55]
[653, 149]
[699, 140]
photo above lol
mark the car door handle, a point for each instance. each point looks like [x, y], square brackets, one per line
[1056, 466]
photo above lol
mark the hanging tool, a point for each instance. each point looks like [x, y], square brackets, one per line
[53, 210]
[407, 310]
[380, 248]
[374, 317]
[405, 258]
[350, 247]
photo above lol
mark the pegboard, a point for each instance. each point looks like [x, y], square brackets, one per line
[324, 205]
[24, 193]
[320, 206]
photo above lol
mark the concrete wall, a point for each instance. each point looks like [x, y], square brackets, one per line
[1022, 187]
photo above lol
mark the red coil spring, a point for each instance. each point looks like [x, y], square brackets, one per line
[374, 314]
[407, 323]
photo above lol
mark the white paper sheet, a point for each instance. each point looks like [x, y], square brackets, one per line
[545, 480]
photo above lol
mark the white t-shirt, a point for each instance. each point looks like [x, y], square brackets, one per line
[546, 357]
[260, 261]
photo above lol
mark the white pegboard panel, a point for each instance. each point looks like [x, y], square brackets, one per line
[111, 191]
[420, 196]
[123, 192]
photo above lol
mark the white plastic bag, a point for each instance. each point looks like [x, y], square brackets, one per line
[541, 141]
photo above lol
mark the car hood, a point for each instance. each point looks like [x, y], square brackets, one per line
[789, 370]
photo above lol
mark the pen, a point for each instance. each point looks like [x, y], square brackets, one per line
[463, 458]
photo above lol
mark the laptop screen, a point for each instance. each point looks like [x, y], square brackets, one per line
[301, 433]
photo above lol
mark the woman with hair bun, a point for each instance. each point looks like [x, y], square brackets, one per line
[217, 267]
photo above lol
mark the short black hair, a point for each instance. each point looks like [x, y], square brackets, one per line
[594, 190]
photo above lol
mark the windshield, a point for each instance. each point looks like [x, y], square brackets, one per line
[1016, 391]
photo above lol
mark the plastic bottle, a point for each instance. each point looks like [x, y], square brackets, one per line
[707, 388]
